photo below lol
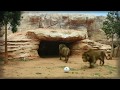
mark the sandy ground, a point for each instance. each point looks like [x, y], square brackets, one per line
[53, 68]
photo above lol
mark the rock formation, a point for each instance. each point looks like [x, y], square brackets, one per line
[73, 29]
[81, 46]
[26, 43]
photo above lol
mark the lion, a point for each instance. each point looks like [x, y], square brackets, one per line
[92, 56]
[64, 51]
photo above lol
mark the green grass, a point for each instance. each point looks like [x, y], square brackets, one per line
[110, 72]
[73, 69]
[23, 59]
[111, 68]
[75, 73]
[61, 66]
[48, 67]
[97, 74]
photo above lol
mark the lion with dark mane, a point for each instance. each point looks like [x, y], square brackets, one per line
[64, 51]
[92, 56]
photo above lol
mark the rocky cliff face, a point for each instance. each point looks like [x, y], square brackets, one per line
[34, 20]
[92, 24]
[56, 28]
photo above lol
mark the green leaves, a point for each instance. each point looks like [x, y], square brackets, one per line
[12, 17]
[112, 23]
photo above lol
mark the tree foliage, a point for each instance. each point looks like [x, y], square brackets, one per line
[111, 26]
[118, 23]
[10, 17]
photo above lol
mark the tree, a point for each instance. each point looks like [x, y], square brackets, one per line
[111, 26]
[117, 23]
[118, 30]
[9, 17]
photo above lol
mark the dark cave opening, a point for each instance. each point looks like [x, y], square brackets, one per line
[50, 48]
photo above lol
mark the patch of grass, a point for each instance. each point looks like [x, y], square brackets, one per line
[48, 68]
[46, 77]
[74, 72]
[85, 67]
[38, 73]
[72, 69]
[111, 68]
[110, 72]
[23, 59]
[97, 74]
[36, 67]
[61, 66]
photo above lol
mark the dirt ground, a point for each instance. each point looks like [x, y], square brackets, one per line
[53, 68]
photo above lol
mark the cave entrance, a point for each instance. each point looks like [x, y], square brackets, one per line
[50, 48]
